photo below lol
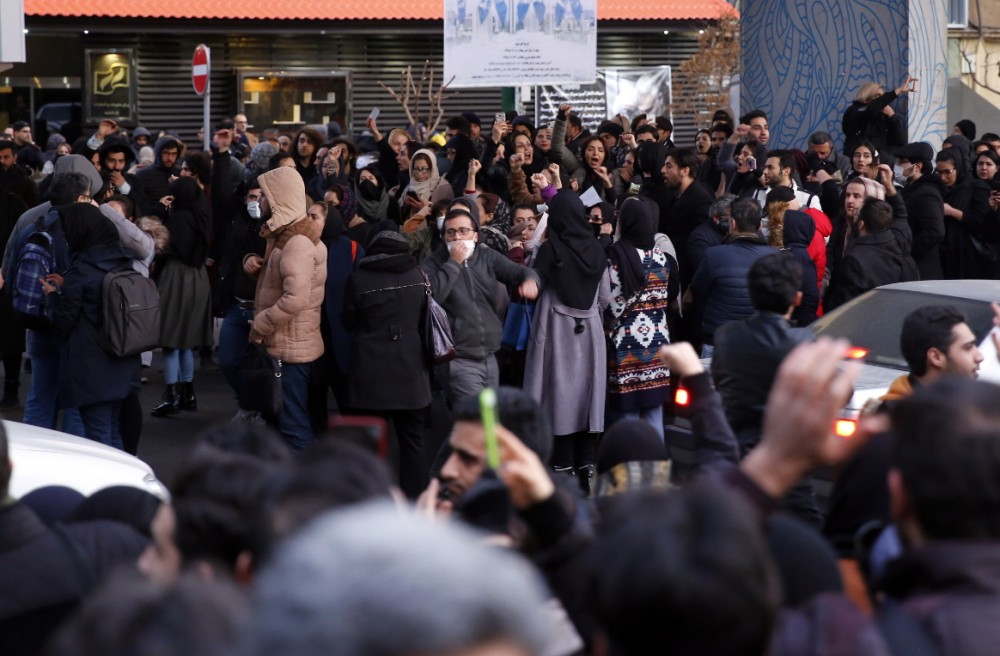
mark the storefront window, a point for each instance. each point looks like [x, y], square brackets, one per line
[289, 100]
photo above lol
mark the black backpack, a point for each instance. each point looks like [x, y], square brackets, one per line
[131, 311]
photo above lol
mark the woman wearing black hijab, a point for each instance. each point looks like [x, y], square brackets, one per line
[643, 283]
[185, 294]
[92, 380]
[566, 368]
[461, 151]
[384, 306]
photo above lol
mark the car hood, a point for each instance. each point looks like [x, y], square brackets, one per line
[872, 382]
[44, 457]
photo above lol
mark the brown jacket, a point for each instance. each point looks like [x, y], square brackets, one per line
[291, 283]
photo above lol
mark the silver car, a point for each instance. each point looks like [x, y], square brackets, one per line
[43, 457]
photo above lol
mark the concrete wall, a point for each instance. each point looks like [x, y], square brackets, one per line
[803, 61]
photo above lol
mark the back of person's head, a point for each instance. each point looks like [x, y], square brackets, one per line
[926, 328]
[947, 451]
[774, 281]
[683, 572]
[118, 503]
[128, 616]
[519, 413]
[278, 159]
[335, 474]
[722, 205]
[245, 439]
[876, 214]
[67, 187]
[371, 580]
[869, 91]
[216, 497]
[460, 124]
[199, 163]
[746, 215]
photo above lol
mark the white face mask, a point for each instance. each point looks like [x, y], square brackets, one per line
[440, 223]
[897, 170]
[253, 209]
[470, 244]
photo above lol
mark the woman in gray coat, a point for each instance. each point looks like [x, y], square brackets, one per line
[566, 369]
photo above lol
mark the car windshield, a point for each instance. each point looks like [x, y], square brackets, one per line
[875, 321]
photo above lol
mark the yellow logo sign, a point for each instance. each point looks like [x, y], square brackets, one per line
[114, 77]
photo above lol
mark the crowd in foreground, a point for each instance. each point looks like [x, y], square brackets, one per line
[579, 274]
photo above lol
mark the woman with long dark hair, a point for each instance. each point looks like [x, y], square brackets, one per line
[566, 369]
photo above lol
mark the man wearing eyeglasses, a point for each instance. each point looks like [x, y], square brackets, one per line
[464, 281]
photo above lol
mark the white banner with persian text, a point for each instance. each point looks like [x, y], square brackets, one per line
[498, 43]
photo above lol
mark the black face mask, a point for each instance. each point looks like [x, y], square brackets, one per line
[722, 225]
[369, 190]
[596, 227]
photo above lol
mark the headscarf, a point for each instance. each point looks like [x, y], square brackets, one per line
[85, 227]
[638, 223]
[377, 209]
[389, 251]
[188, 196]
[424, 189]
[260, 155]
[465, 152]
[571, 262]
[963, 150]
[333, 228]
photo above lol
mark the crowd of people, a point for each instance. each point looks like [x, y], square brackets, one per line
[582, 274]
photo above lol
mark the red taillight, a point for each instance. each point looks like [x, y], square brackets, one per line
[682, 397]
[857, 353]
[845, 427]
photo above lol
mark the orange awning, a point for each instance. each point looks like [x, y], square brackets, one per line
[345, 9]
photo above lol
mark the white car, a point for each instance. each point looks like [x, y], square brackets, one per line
[43, 457]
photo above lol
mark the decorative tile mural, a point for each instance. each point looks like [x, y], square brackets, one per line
[804, 60]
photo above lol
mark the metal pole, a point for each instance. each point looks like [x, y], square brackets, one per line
[207, 107]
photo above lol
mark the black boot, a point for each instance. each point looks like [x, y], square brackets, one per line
[170, 404]
[187, 397]
[586, 476]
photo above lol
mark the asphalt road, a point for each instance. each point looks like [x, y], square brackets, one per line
[166, 441]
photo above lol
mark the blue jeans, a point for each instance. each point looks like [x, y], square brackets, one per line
[234, 345]
[652, 416]
[41, 407]
[100, 423]
[293, 421]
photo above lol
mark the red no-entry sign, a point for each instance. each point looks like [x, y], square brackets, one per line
[199, 69]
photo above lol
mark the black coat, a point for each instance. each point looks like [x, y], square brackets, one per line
[866, 122]
[41, 584]
[719, 287]
[388, 365]
[89, 373]
[870, 261]
[688, 211]
[744, 364]
[925, 212]
[702, 238]
[963, 252]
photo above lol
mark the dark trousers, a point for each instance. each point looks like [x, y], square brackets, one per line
[413, 468]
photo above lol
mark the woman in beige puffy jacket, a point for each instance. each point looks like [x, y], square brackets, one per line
[289, 295]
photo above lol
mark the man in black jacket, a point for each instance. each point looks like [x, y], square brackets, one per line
[690, 207]
[116, 157]
[924, 198]
[156, 178]
[45, 572]
[748, 352]
[872, 259]
[708, 234]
